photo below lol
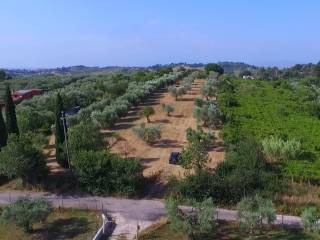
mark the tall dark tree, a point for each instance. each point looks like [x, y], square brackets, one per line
[2, 75]
[10, 110]
[214, 67]
[59, 133]
[3, 131]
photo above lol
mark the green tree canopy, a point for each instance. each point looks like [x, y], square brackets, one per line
[147, 112]
[212, 67]
[254, 211]
[19, 158]
[197, 223]
[25, 212]
[10, 112]
[3, 131]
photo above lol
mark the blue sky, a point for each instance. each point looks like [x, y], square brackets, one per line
[52, 33]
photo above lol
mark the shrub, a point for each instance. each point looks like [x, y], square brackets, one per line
[254, 211]
[204, 138]
[310, 219]
[167, 108]
[19, 158]
[277, 149]
[209, 114]
[148, 134]
[195, 224]
[194, 156]
[85, 136]
[25, 212]
[103, 173]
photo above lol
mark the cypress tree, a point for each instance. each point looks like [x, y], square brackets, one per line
[3, 131]
[10, 110]
[59, 133]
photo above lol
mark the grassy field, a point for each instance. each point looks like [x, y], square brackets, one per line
[67, 224]
[228, 231]
[265, 109]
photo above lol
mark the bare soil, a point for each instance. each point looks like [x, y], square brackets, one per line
[154, 158]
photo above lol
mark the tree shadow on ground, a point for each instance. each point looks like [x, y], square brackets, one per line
[167, 143]
[64, 228]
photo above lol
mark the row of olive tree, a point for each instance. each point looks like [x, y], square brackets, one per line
[184, 87]
[106, 114]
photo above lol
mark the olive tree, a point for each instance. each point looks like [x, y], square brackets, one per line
[194, 156]
[209, 114]
[195, 223]
[147, 112]
[310, 219]
[21, 159]
[148, 134]
[254, 211]
[167, 108]
[26, 211]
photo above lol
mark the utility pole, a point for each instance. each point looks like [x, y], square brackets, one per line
[63, 118]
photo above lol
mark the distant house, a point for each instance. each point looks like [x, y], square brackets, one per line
[248, 77]
[21, 95]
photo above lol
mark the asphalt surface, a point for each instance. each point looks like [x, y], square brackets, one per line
[127, 213]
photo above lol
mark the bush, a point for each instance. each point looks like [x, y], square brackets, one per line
[167, 108]
[254, 211]
[85, 136]
[25, 212]
[209, 114]
[203, 138]
[21, 159]
[195, 224]
[103, 173]
[310, 219]
[148, 134]
[194, 156]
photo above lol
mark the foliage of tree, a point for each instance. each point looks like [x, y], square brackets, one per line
[34, 121]
[243, 173]
[255, 211]
[310, 219]
[148, 134]
[20, 159]
[10, 113]
[277, 149]
[208, 114]
[204, 138]
[210, 88]
[167, 108]
[214, 68]
[85, 136]
[104, 173]
[176, 91]
[194, 156]
[197, 223]
[3, 131]
[25, 212]
[147, 112]
[2, 75]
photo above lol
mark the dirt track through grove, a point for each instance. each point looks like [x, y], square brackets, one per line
[154, 158]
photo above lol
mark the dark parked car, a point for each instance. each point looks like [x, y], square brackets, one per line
[174, 158]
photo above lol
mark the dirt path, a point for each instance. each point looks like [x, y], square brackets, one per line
[155, 157]
[50, 153]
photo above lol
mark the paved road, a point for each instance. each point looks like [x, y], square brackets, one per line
[127, 212]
